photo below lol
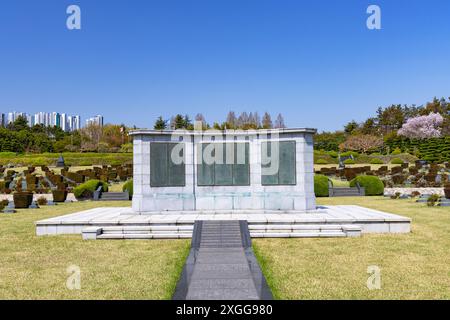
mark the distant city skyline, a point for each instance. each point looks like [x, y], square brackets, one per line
[66, 122]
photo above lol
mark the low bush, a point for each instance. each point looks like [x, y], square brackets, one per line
[321, 161]
[433, 200]
[128, 186]
[85, 163]
[333, 154]
[396, 151]
[3, 204]
[396, 195]
[397, 161]
[86, 190]
[349, 161]
[376, 161]
[320, 185]
[350, 153]
[372, 184]
[42, 201]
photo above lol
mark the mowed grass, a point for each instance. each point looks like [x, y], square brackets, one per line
[413, 266]
[34, 267]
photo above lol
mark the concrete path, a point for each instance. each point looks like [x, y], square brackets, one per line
[221, 265]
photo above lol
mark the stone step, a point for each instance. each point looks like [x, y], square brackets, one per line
[345, 192]
[114, 196]
[168, 228]
[145, 236]
[229, 239]
[297, 234]
[255, 227]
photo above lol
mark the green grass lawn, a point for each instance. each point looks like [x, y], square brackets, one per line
[34, 267]
[413, 266]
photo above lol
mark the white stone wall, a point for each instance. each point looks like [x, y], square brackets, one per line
[254, 197]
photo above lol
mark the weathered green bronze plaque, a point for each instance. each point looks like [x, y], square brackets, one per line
[164, 172]
[227, 169]
[286, 173]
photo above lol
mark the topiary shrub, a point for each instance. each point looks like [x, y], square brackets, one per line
[42, 201]
[321, 161]
[333, 154]
[397, 161]
[320, 185]
[128, 186]
[86, 190]
[85, 163]
[376, 161]
[396, 151]
[372, 185]
[349, 161]
[433, 200]
[349, 153]
[396, 195]
[3, 204]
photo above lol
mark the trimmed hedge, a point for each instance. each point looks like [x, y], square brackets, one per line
[349, 161]
[320, 185]
[396, 151]
[350, 153]
[86, 190]
[72, 158]
[376, 161]
[333, 154]
[372, 184]
[128, 186]
[321, 161]
[435, 150]
[397, 161]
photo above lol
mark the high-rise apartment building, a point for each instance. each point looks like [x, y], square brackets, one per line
[97, 120]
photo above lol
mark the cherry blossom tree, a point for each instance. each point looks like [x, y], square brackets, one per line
[422, 127]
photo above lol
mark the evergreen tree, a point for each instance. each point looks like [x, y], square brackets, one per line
[21, 123]
[178, 122]
[187, 123]
[160, 124]
[351, 127]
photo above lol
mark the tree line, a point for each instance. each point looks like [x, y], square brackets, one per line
[244, 121]
[430, 120]
[20, 138]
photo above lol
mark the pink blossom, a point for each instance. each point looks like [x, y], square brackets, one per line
[422, 127]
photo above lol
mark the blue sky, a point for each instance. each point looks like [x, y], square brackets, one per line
[313, 61]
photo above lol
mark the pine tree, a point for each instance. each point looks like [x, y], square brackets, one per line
[187, 123]
[160, 124]
[179, 122]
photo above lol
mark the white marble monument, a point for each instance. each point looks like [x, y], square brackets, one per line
[223, 170]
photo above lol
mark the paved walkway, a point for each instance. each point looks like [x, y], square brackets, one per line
[221, 265]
